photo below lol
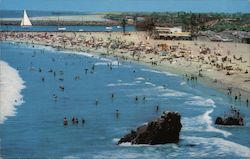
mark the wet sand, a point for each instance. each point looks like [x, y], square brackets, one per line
[219, 65]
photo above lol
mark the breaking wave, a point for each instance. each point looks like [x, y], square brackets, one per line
[11, 85]
[199, 101]
[202, 123]
[159, 72]
[217, 146]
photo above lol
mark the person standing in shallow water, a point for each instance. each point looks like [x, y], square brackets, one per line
[136, 98]
[83, 120]
[65, 121]
[73, 120]
[235, 98]
[157, 108]
[96, 102]
[117, 114]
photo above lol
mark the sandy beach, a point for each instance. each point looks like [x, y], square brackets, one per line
[224, 66]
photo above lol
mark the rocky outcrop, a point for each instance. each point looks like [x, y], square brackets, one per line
[233, 118]
[164, 130]
[229, 121]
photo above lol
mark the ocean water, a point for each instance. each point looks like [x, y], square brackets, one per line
[37, 130]
[130, 5]
[35, 13]
[92, 28]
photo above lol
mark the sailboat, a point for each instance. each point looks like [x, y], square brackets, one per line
[25, 21]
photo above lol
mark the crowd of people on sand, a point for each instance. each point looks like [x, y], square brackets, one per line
[136, 51]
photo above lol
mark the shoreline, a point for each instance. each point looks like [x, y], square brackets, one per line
[114, 45]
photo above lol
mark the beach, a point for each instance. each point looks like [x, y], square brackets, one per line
[72, 84]
[134, 79]
[221, 65]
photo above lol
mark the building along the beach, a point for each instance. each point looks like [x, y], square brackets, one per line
[174, 33]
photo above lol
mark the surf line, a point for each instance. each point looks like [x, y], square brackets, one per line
[11, 85]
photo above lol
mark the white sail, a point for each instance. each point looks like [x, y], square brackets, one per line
[25, 20]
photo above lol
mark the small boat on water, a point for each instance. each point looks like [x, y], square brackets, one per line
[61, 29]
[118, 27]
[25, 21]
[80, 29]
[109, 28]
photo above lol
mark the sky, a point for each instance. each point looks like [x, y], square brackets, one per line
[128, 5]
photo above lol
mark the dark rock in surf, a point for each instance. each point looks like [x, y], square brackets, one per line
[164, 130]
[233, 118]
[229, 121]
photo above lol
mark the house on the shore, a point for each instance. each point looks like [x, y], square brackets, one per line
[168, 33]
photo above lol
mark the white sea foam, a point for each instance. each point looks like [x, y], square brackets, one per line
[165, 92]
[104, 61]
[87, 54]
[202, 123]
[81, 53]
[140, 78]
[217, 146]
[183, 83]
[209, 122]
[113, 63]
[199, 101]
[173, 93]
[149, 83]
[115, 140]
[101, 63]
[160, 91]
[121, 154]
[128, 144]
[11, 85]
[70, 157]
[121, 84]
[160, 72]
[137, 82]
